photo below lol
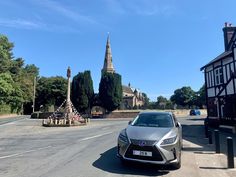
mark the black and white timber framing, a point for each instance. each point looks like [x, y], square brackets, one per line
[220, 81]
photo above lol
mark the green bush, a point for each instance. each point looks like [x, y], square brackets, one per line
[5, 109]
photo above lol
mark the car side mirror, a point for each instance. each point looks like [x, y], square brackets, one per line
[129, 122]
[177, 124]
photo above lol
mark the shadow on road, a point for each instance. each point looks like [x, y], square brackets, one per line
[214, 168]
[196, 119]
[110, 163]
[195, 134]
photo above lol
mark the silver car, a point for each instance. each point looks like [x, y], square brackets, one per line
[152, 137]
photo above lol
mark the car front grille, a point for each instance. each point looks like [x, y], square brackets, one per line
[147, 142]
[156, 156]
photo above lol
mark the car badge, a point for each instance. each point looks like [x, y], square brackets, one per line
[142, 143]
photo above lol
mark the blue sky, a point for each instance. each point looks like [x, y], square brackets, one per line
[157, 45]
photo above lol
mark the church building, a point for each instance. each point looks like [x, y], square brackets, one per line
[132, 97]
[108, 65]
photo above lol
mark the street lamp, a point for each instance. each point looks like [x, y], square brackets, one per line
[34, 90]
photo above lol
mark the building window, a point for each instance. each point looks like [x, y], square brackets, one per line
[219, 76]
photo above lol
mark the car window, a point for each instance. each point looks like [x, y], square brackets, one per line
[153, 120]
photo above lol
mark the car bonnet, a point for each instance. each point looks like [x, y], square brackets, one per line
[146, 133]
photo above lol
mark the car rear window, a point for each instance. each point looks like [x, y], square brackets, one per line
[154, 120]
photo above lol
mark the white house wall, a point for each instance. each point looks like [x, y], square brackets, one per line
[223, 93]
[224, 74]
[227, 67]
[228, 70]
[211, 92]
[217, 91]
[235, 52]
[232, 67]
[227, 60]
[230, 88]
[209, 68]
[217, 64]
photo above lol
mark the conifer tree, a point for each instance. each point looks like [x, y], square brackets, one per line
[110, 91]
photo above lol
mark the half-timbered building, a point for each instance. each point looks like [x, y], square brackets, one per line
[220, 81]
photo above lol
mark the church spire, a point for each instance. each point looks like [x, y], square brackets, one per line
[108, 66]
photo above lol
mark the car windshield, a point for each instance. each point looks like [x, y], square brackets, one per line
[153, 120]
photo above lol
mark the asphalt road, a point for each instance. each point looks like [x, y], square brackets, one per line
[29, 150]
[11, 119]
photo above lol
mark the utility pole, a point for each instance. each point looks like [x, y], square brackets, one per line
[34, 93]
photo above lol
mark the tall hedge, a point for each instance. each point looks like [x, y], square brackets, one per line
[110, 91]
[82, 91]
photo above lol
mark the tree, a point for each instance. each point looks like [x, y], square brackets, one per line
[26, 81]
[200, 97]
[23, 77]
[110, 91]
[161, 102]
[146, 101]
[88, 84]
[82, 91]
[6, 54]
[10, 93]
[183, 96]
[51, 91]
[152, 105]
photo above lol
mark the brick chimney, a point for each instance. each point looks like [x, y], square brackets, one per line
[228, 34]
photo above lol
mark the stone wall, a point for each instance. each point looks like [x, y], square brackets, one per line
[120, 114]
[126, 113]
[134, 113]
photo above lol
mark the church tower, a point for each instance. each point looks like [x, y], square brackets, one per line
[108, 66]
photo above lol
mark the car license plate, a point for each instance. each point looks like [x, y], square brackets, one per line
[142, 153]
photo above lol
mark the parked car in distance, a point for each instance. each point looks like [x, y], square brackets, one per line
[194, 112]
[152, 137]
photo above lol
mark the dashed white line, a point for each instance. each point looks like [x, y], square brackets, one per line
[96, 136]
[25, 152]
[12, 122]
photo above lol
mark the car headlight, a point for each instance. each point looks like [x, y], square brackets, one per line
[123, 136]
[169, 140]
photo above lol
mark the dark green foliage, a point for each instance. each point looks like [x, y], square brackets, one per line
[6, 54]
[10, 92]
[110, 91]
[96, 100]
[50, 91]
[187, 97]
[200, 97]
[146, 101]
[163, 103]
[183, 96]
[16, 79]
[82, 91]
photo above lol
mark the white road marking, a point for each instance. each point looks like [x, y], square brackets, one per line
[25, 152]
[96, 136]
[12, 123]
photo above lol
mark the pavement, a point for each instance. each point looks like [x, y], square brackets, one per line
[29, 150]
[7, 115]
